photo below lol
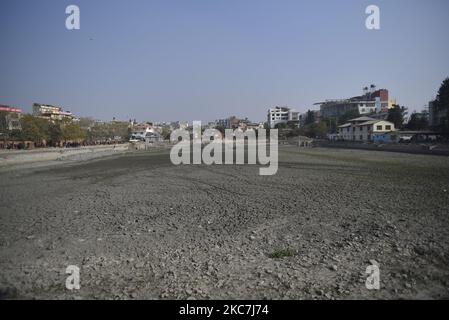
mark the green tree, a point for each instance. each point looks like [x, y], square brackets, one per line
[442, 105]
[86, 123]
[166, 133]
[55, 132]
[72, 131]
[280, 126]
[119, 129]
[417, 122]
[396, 115]
[320, 129]
[315, 130]
[443, 95]
[99, 131]
[310, 117]
[105, 131]
[4, 132]
[292, 124]
[348, 115]
[34, 129]
[332, 124]
[3, 122]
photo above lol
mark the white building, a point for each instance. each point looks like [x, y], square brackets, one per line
[50, 112]
[152, 137]
[279, 115]
[139, 131]
[364, 129]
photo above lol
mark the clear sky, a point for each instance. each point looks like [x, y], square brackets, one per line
[209, 59]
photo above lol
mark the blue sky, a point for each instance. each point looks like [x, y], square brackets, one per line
[204, 60]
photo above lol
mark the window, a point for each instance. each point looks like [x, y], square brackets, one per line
[361, 137]
[379, 127]
[387, 127]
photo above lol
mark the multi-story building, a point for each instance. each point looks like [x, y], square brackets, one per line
[228, 123]
[279, 115]
[372, 101]
[11, 117]
[139, 131]
[246, 124]
[50, 112]
[364, 129]
[224, 123]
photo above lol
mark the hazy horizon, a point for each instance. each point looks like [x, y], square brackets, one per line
[206, 60]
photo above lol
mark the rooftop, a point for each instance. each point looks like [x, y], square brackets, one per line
[362, 119]
[10, 109]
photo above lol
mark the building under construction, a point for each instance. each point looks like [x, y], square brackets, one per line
[371, 101]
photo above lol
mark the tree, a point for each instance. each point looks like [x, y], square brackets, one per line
[331, 123]
[73, 131]
[442, 105]
[280, 126]
[119, 129]
[34, 129]
[4, 132]
[294, 132]
[443, 95]
[166, 133]
[111, 130]
[417, 121]
[315, 130]
[320, 129]
[310, 117]
[55, 132]
[396, 115]
[292, 124]
[3, 122]
[86, 122]
[99, 131]
[348, 115]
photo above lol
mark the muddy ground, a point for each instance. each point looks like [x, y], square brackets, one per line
[139, 227]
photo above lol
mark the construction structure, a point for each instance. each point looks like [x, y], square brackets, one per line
[282, 115]
[370, 102]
